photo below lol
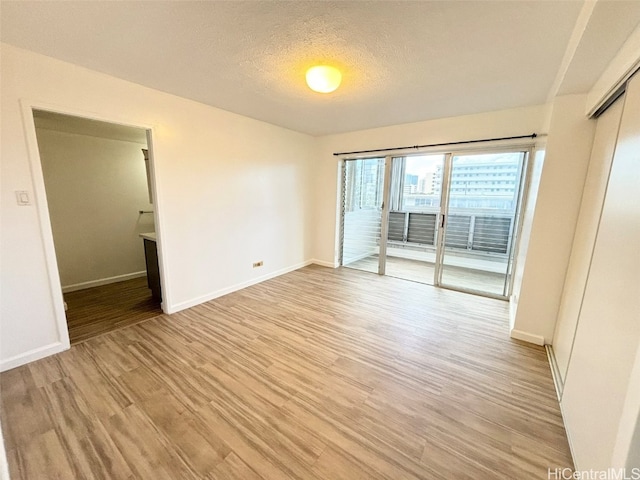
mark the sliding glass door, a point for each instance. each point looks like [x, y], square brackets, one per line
[449, 219]
[414, 210]
[481, 222]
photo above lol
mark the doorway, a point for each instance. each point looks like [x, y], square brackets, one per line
[447, 219]
[100, 205]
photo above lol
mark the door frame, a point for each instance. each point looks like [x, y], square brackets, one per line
[42, 205]
[384, 217]
[441, 227]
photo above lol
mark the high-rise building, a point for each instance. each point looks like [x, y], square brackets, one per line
[425, 183]
[490, 184]
[410, 179]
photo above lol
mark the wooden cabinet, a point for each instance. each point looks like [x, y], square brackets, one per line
[153, 270]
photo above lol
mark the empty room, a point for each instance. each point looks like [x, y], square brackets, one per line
[320, 240]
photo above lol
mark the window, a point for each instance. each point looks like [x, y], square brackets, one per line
[365, 189]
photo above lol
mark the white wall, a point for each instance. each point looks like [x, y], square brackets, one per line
[535, 173]
[95, 188]
[562, 179]
[230, 191]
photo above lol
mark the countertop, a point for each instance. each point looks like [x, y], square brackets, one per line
[149, 236]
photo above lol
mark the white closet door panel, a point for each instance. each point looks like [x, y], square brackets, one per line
[586, 229]
[608, 332]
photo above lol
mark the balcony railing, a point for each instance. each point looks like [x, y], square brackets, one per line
[486, 233]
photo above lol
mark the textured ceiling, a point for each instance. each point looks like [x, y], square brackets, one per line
[402, 61]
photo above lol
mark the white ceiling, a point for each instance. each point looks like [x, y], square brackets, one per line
[402, 61]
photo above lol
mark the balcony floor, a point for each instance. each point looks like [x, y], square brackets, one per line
[423, 272]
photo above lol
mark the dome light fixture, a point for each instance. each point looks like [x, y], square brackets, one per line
[323, 78]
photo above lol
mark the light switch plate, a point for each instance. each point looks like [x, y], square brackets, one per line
[22, 197]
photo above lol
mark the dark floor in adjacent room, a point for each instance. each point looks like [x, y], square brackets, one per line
[97, 310]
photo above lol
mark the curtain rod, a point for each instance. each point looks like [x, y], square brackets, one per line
[533, 135]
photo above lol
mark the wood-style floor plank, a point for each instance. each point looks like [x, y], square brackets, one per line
[317, 374]
[97, 310]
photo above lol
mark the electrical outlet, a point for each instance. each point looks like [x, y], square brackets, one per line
[258, 264]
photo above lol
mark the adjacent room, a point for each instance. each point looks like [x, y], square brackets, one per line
[320, 240]
[97, 179]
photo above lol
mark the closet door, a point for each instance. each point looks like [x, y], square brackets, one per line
[608, 333]
[585, 235]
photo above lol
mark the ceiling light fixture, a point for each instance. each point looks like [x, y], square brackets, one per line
[323, 78]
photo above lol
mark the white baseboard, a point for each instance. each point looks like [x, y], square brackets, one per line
[558, 382]
[32, 355]
[555, 371]
[234, 288]
[103, 281]
[4, 465]
[322, 263]
[527, 337]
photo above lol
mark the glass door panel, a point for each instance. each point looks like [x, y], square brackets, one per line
[362, 213]
[481, 221]
[415, 202]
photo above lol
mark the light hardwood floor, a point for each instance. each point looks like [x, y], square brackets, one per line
[94, 311]
[317, 374]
